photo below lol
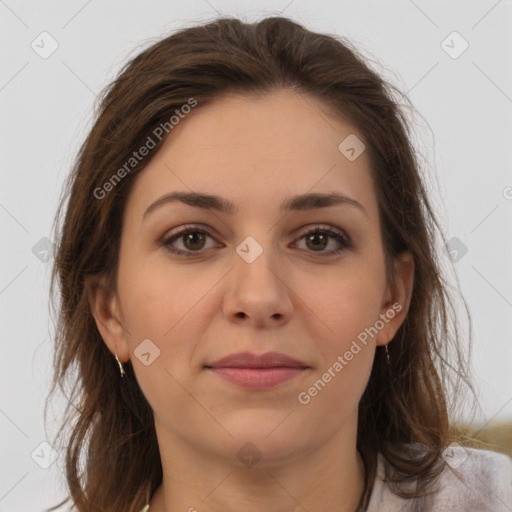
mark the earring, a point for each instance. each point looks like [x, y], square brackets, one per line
[121, 369]
[387, 355]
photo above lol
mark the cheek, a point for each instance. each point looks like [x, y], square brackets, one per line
[170, 307]
[347, 302]
[158, 305]
[346, 312]
[155, 297]
[345, 340]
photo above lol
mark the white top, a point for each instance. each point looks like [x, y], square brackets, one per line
[473, 480]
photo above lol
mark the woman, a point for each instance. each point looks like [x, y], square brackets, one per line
[250, 292]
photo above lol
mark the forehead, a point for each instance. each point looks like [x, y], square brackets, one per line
[257, 150]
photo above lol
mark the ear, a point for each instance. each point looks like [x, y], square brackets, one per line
[106, 311]
[397, 301]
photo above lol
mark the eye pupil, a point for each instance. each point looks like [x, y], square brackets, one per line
[315, 236]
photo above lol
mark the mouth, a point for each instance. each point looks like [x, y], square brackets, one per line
[257, 378]
[254, 371]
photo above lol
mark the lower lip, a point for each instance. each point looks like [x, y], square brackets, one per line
[258, 378]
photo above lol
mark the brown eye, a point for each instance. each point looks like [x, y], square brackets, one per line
[192, 239]
[318, 239]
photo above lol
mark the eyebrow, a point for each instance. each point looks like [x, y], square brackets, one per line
[302, 202]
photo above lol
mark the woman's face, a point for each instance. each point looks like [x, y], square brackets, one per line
[254, 279]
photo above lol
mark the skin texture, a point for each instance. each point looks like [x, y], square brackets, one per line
[295, 299]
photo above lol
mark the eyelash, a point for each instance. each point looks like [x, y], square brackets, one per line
[340, 238]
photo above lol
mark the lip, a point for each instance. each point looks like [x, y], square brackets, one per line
[250, 360]
[255, 371]
[258, 378]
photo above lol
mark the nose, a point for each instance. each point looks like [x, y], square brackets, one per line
[258, 292]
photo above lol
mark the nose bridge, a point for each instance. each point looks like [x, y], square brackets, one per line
[256, 259]
[257, 286]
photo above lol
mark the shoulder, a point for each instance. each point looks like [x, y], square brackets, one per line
[476, 479]
[473, 480]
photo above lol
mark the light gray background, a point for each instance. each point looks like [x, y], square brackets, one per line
[465, 132]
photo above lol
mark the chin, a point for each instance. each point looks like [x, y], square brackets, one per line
[271, 437]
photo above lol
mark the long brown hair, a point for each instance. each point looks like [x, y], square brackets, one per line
[406, 402]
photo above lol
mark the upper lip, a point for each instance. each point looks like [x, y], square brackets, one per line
[250, 360]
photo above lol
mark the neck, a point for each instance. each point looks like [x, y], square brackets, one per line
[327, 477]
